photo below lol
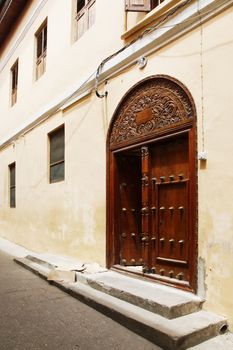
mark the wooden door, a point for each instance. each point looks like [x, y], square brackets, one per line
[153, 208]
[128, 197]
[169, 203]
[152, 191]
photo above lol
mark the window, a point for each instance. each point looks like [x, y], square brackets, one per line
[12, 185]
[57, 155]
[41, 50]
[14, 82]
[85, 16]
[141, 5]
[155, 3]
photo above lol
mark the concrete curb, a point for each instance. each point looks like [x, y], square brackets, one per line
[177, 334]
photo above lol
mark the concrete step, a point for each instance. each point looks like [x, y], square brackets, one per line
[170, 334]
[160, 299]
[163, 300]
[224, 341]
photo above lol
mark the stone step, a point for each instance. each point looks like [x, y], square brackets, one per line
[170, 334]
[165, 301]
[224, 341]
[160, 299]
[175, 334]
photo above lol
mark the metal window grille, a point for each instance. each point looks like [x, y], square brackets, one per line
[57, 155]
[14, 83]
[12, 189]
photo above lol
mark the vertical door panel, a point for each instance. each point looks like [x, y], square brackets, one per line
[129, 193]
[173, 221]
[145, 207]
[170, 198]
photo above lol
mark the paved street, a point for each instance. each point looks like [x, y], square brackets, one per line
[35, 315]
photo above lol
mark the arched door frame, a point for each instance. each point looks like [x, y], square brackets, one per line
[176, 100]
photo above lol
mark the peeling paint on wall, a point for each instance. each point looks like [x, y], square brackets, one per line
[202, 287]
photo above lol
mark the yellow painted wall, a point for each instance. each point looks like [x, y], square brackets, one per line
[66, 217]
[69, 217]
[215, 180]
[68, 63]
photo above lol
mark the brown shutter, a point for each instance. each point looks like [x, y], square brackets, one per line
[138, 5]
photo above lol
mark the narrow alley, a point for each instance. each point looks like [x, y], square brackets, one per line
[36, 316]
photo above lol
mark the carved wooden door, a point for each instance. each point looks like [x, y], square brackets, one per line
[169, 209]
[128, 209]
[152, 182]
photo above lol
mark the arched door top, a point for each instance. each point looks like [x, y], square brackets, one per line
[154, 106]
[152, 177]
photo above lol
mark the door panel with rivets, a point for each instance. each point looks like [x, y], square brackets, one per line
[129, 209]
[153, 208]
[145, 215]
[170, 217]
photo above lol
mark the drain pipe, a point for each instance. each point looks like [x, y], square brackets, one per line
[224, 328]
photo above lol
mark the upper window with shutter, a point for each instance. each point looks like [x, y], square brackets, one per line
[141, 5]
[14, 82]
[41, 49]
[84, 16]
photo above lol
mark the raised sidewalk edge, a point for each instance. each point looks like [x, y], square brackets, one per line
[89, 296]
[176, 334]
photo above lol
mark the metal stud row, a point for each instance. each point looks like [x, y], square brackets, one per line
[172, 241]
[181, 208]
[171, 178]
[124, 210]
[171, 273]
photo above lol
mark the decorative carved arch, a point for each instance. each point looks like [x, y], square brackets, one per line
[152, 107]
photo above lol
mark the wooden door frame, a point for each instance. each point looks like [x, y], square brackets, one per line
[189, 126]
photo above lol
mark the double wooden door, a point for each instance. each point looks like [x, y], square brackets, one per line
[153, 208]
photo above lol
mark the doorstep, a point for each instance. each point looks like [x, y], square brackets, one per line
[157, 298]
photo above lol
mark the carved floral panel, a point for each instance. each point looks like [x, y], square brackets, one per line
[153, 106]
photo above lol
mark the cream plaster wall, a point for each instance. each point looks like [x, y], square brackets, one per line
[68, 63]
[215, 180]
[69, 217]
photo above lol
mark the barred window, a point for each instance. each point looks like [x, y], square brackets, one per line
[14, 82]
[12, 189]
[57, 155]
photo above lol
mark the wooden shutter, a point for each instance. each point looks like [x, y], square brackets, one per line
[138, 5]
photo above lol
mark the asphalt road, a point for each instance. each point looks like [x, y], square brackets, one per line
[36, 316]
